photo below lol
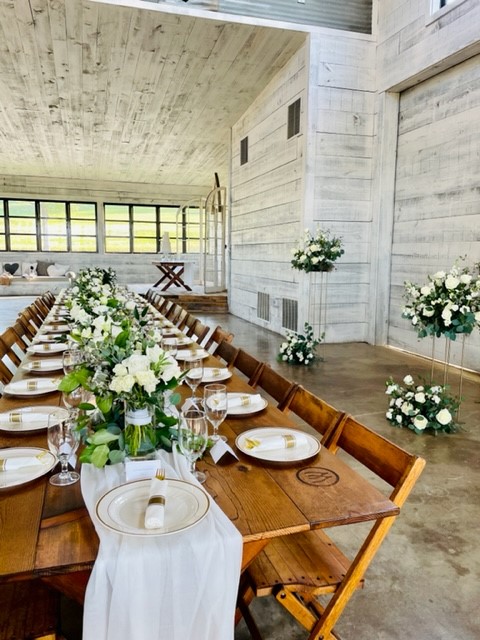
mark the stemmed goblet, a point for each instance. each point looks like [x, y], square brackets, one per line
[62, 442]
[193, 437]
[73, 399]
[170, 345]
[215, 403]
[71, 359]
[193, 369]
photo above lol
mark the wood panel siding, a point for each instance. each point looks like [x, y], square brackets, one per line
[437, 192]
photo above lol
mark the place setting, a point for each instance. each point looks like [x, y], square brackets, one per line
[30, 418]
[243, 404]
[19, 465]
[31, 386]
[277, 444]
[47, 348]
[43, 366]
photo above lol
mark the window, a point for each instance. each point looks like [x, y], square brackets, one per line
[436, 9]
[244, 151]
[294, 118]
[44, 225]
[131, 228]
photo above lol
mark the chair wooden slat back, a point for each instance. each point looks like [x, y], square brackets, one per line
[33, 315]
[13, 344]
[277, 386]
[250, 366]
[189, 326]
[317, 413]
[175, 313]
[300, 567]
[181, 319]
[41, 308]
[29, 327]
[200, 332]
[217, 336]
[22, 333]
[227, 352]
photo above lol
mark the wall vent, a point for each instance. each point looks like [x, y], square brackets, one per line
[293, 127]
[244, 150]
[290, 314]
[263, 306]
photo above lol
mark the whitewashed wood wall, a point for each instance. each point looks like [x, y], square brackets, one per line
[321, 177]
[435, 209]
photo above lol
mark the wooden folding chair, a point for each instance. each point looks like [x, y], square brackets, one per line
[29, 326]
[217, 336]
[298, 568]
[227, 352]
[277, 386]
[173, 312]
[200, 332]
[14, 347]
[189, 325]
[29, 610]
[41, 307]
[250, 366]
[316, 412]
[22, 334]
[33, 315]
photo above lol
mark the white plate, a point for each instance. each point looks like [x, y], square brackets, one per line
[188, 354]
[47, 349]
[27, 474]
[247, 409]
[28, 419]
[45, 337]
[123, 509]
[215, 374]
[56, 328]
[302, 452]
[31, 387]
[183, 341]
[43, 366]
[171, 332]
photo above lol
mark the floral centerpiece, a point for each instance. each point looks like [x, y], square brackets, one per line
[299, 348]
[449, 304]
[421, 407]
[127, 373]
[318, 252]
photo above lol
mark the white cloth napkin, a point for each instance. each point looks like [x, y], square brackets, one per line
[157, 502]
[176, 587]
[18, 462]
[270, 443]
[244, 400]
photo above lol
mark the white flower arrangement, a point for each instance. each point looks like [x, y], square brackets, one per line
[449, 304]
[318, 252]
[421, 407]
[299, 348]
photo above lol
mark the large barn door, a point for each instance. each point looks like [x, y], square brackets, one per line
[214, 243]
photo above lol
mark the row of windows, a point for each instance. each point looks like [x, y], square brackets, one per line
[39, 225]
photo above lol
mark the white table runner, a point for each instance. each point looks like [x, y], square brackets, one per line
[176, 587]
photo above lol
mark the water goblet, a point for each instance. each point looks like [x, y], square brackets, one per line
[170, 345]
[71, 359]
[193, 438]
[215, 403]
[73, 399]
[193, 369]
[62, 442]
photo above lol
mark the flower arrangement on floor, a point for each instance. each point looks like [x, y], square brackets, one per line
[318, 252]
[128, 374]
[299, 348]
[448, 305]
[421, 407]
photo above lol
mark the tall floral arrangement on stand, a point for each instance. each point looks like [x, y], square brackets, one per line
[318, 251]
[447, 305]
[126, 372]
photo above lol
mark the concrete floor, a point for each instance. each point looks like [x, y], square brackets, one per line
[424, 583]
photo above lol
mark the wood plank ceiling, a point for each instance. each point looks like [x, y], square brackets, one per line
[105, 92]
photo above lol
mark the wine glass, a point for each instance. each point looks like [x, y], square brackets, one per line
[73, 399]
[71, 359]
[193, 437]
[62, 442]
[215, 403]
[170, 345]
[193, 369]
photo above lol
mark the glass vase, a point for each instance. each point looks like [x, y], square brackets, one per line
[139, 431]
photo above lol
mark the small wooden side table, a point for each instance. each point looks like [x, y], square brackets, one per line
[172, 274]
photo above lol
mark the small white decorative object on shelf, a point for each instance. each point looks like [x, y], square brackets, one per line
[166, 246]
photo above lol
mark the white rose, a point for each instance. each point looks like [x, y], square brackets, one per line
[407, 407]
[465, 278]
[408, 380]
[420, 422]
[315, 259]
[451, 282]
[147, 380]
[389, 414]
[436, 399]
[390, 389]
[428, 312]
[398, 402]
[420, 397]
[414, 320]
[426, 291]
[444, 417]
[439, 275]
[399, 419]
[130, 305]
[137, 362]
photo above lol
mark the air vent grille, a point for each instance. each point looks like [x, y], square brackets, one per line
[263, 306]
[290, 314]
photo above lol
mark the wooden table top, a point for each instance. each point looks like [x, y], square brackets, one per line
[46, 530]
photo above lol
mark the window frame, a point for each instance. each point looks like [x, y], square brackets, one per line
[37, 222]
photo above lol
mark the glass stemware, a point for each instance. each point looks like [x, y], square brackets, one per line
[73, 399]
[193, 369]
[62, 442]
[193, 438]
[71, 359]
[170, 345]
[215, 403]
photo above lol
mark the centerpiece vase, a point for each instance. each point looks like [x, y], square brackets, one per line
[139, 431]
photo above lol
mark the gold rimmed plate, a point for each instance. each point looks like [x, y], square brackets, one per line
[123, 509]
[31, 386]
[27, 419]
[308, 445]
[25, 474]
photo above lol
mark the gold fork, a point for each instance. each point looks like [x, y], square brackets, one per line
[160, 474]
